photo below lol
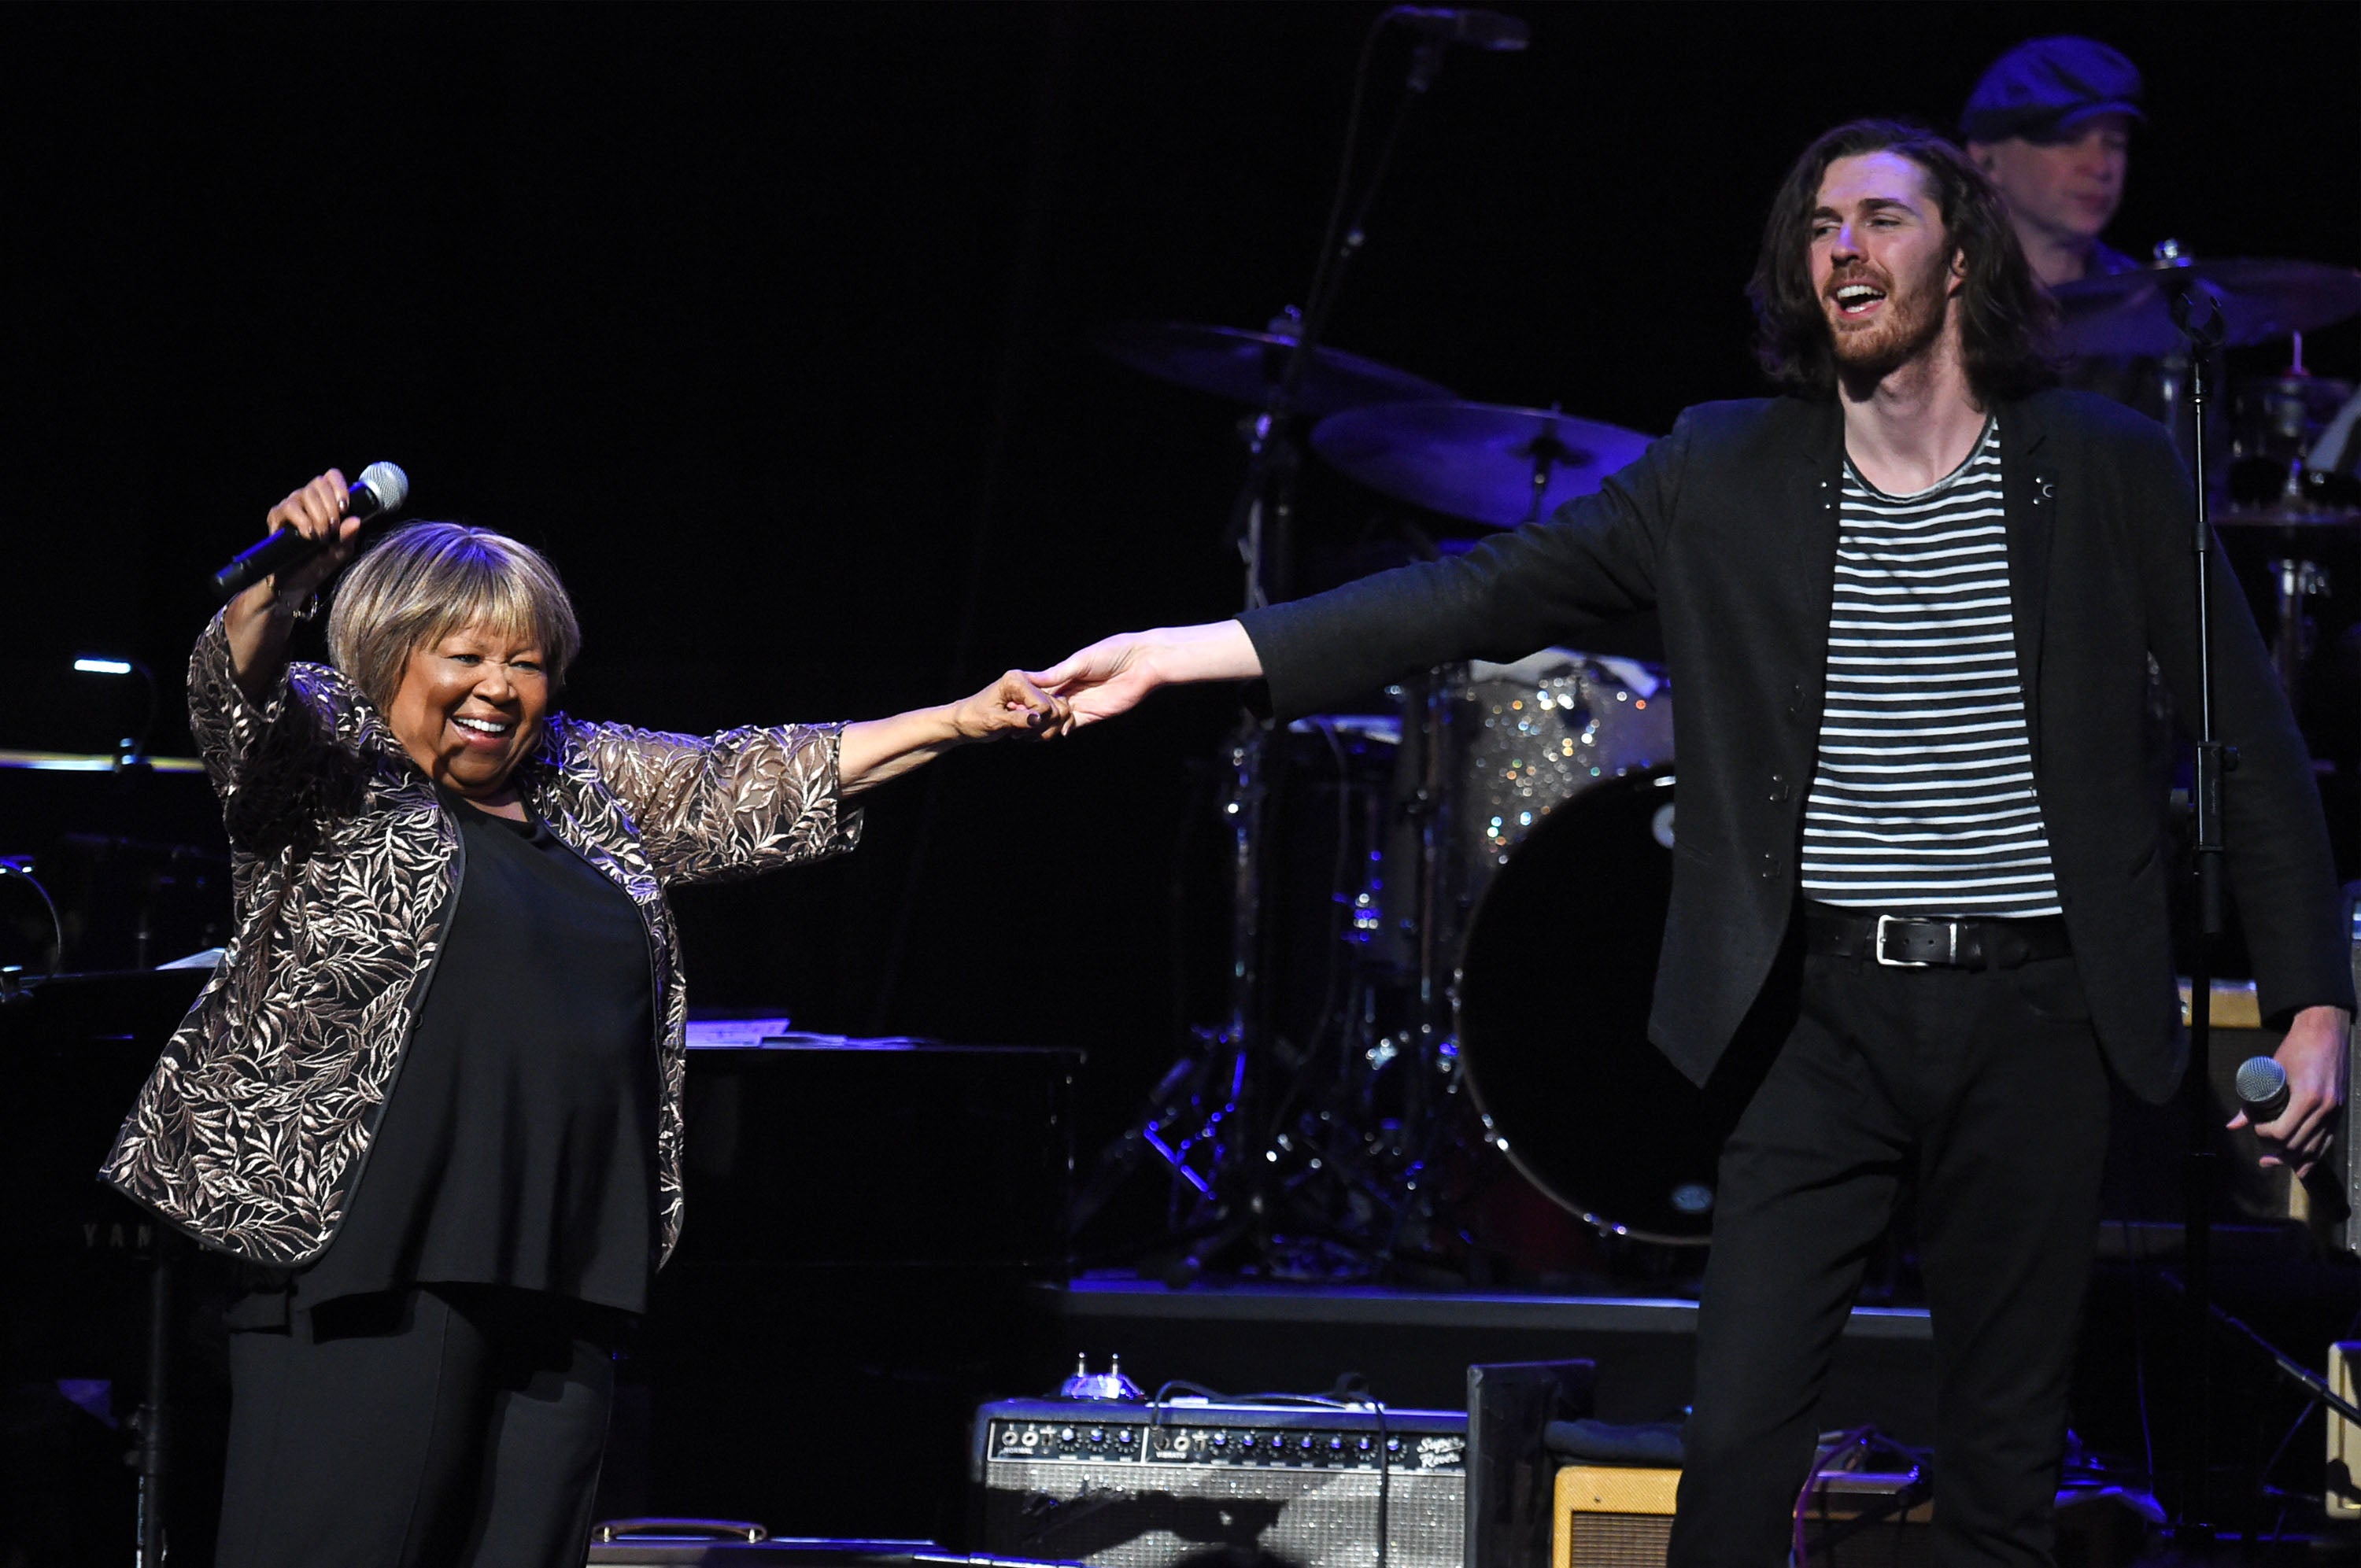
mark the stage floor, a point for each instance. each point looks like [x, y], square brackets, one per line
[1122, 1297]
[1414, 1347]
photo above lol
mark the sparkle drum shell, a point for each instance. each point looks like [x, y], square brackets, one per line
[1533, 735]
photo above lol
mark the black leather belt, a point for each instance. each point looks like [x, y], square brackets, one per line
[1912, 942]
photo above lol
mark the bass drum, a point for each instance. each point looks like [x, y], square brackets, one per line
[1552, 998]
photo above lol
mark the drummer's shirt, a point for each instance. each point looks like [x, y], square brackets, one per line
[1922, 796]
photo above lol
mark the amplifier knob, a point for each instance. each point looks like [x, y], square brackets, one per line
[1307, 1445]
[1335, 1446]
[1246, 1442]
[1365, 1445]
[1124, 1436]
[1067, 1435]
[1393, 1445]
[1221, 1440]
[1098, 1435]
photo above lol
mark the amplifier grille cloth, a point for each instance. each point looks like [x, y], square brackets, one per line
[1101, 1513]
[1621, 1541]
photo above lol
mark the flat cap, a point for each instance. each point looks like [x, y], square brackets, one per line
[2045, 87]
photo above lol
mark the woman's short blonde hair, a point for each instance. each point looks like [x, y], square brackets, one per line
[427, 579]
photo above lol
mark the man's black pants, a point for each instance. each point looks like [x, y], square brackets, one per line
[1988, 1088]
[435, 1427]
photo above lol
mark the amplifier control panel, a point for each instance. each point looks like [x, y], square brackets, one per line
[1281, 1437]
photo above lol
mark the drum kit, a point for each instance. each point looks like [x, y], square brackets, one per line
[2294, 454]
[1503, 834]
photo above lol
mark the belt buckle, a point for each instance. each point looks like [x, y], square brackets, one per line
[1877, 944]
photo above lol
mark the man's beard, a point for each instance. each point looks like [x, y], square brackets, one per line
[1913, 319]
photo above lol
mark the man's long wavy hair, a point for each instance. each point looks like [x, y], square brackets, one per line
[2004, 315]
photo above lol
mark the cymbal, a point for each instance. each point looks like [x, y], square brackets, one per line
[1478, 461]
[1243, 366]
[2262, 299]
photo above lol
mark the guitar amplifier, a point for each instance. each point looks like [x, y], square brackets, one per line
[1617, 1516]
[1125, 1485]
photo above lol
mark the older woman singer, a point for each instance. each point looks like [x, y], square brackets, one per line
[430, 1099]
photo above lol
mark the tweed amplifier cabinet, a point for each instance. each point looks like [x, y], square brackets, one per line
[1123, 1485]
[1613, 1516]
[2344, 1484]
[1617, 1516]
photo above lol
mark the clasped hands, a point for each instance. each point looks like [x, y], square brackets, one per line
[1107, 679]
[1113, 674]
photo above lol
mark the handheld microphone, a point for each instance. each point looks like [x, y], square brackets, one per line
[1478, 29]
[2262, 1087]
[381, 490]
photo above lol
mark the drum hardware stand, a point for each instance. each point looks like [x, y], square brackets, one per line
[1429, 813]
[1169, 1104]
[1547, 451]
[1385, 1167]
[153, 1419]
[2200, 317]
[2296, 580]
[1244, 1198]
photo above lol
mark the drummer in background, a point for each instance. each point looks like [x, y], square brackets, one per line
[2051, 124]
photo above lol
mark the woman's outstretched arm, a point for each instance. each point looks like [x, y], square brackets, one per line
[875, 749]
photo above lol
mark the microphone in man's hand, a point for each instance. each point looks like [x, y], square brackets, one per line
[2262, 1089]
[1478, 29]
[382, 490]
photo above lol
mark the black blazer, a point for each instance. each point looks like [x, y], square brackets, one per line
[1727, 527]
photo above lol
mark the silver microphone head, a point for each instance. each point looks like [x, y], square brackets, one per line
[2261, 1081]
[389, 484]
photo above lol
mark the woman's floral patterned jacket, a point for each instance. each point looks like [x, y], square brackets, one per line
[252, 1132]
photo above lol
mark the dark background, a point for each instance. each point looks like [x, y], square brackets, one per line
[772, 326]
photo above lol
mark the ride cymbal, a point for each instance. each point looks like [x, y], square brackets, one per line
[1245, 365]
[1483, 462]
[2261, 298]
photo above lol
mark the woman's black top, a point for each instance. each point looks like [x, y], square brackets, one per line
[519, 1144]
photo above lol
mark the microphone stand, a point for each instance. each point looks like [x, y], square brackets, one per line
[1262, 524]
[152, 1422]
[2198, 314]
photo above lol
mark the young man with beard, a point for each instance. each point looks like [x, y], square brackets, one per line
[1917, 910]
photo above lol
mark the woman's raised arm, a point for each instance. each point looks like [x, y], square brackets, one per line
[259, 619]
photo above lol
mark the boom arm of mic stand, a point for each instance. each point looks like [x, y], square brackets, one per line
[1328, 282]
[1264, 497]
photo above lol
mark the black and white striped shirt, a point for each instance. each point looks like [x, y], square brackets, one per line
[1922, 799]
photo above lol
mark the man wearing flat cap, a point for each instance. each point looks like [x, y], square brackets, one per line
[2050, 123]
